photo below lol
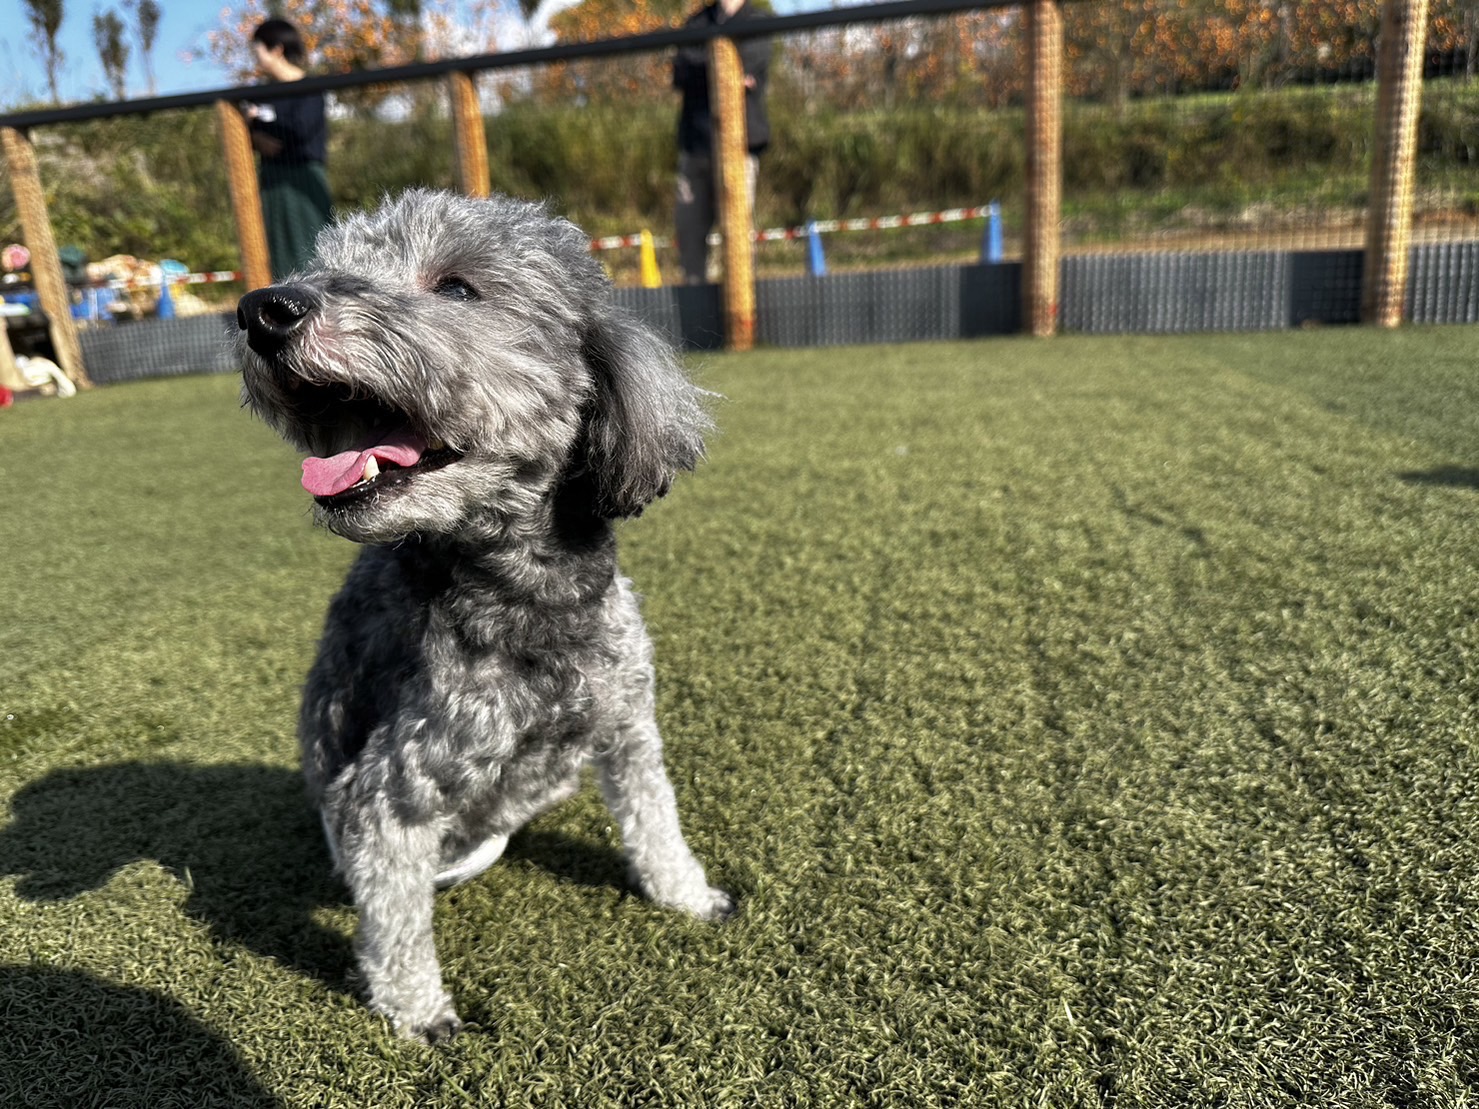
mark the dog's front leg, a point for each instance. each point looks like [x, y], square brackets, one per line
[390, 868]
[639, 795]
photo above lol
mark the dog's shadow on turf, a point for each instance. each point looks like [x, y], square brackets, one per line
[82, 1041]
[1456, 477]
[243, 840]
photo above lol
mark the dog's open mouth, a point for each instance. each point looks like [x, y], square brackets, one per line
[389, 459]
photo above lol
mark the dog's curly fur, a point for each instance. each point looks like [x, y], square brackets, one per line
[484, 647]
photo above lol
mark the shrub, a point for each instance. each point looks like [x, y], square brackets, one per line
[155, 186]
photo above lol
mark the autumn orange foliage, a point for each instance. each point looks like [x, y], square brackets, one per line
[632, 77]
[1115, 48]
[357, 34]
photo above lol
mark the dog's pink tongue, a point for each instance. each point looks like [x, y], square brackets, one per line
[323, 477]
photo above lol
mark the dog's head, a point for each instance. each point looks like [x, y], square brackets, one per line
[446, 358]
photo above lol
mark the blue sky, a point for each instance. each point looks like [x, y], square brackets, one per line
[182, 30]
[181, 60]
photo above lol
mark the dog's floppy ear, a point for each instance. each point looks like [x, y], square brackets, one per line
[645, 421]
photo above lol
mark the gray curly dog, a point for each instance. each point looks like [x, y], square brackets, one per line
[477, 412]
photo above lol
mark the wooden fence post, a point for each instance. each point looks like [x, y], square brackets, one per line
[468, 133]
[246, 204]
[46, 266]
[1044, 166]
[736, 215]
[1399, 75]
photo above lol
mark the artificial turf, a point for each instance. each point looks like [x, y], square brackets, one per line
[1084, 722]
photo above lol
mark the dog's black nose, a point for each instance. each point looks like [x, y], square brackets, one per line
[271, 316]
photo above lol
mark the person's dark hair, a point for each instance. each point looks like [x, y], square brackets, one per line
[279, 32]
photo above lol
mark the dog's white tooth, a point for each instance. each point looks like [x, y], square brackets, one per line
[372, 468]
[435, 444]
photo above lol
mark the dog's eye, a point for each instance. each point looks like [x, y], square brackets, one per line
[454, 288]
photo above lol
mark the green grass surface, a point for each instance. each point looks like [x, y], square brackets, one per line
[1082, 722]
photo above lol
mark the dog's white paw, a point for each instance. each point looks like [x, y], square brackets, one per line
[435, 1030]
[718, 906]
[430, 1020]
[697, 899]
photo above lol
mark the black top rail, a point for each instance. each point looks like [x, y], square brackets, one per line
[420, 71]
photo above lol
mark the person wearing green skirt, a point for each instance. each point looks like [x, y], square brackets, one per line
[291, 135]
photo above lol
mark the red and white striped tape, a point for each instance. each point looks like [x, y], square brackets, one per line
[823, 226]
[184, 279]
[616, 242]
[209, 278]
[621, 242]
[877, 223]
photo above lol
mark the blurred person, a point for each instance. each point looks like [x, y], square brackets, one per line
[697, 191]
[291, 136]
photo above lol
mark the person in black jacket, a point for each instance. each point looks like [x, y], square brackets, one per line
[697, 194]
[291, 135]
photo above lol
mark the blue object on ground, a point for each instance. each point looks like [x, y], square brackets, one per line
[816, 261]
[991, 248]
